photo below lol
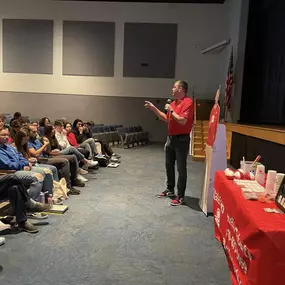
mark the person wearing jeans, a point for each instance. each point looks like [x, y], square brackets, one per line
[13, 189]
[179, 118]
[88, 144]
[49, 172]
[66, 166]
[10, 159]
[61, 142]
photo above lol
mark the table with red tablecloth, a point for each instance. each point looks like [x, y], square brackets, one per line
[253, 240]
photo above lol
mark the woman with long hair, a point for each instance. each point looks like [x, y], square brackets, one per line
[48, 171]
[53, 149]
[43, 121]
[82, 133]
[66, 170]
[88, 144]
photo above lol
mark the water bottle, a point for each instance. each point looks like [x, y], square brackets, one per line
[50, 199]
[42, 198]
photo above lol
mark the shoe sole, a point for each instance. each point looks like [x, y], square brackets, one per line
[166, 196]
[176, 204]
[37, 217]
[27, 231]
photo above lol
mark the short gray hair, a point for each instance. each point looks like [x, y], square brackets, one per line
[183, 84]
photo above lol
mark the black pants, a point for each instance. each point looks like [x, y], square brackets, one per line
[11, 188]
[106, 149]
[66, 166]
[177, 149]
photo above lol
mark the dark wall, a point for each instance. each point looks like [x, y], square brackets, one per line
[249, 147]
[264, 70]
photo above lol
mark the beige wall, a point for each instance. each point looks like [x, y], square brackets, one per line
[101, 109]
[199, 26]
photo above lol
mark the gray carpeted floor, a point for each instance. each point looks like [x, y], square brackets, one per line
[118, 232]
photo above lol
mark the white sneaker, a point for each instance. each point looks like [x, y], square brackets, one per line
[2, 240]
[114, 159]
[92, 163]
[82, 171]
[81, 178]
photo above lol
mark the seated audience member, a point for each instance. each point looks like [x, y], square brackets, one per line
[13, 189]
[35, 126]
[17, 116]
[10, 159]
[53, 149]
[15, 126]
[64, 121]
[48, 171]
[44, 121]
[61, 136]
[88, 144]
[24, 121]
[2, 121]
[65, 148]
[66, 166]
[82, 134]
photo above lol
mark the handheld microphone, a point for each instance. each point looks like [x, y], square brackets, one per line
[169, 101]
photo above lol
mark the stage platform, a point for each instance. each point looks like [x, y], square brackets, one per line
[253, 140]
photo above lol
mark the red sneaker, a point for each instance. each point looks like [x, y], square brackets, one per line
[177, 201]
[166, 193]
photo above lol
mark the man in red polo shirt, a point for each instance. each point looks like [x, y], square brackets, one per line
[180, 120]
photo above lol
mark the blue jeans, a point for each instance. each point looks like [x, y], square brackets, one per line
[73, 150]
[35, 185]
[50, 173]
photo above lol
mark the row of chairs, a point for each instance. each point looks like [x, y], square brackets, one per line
[131, 136]
[106, 133]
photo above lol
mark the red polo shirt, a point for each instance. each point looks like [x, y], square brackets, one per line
[184, 108]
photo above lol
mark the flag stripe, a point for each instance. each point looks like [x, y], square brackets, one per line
[229, 83]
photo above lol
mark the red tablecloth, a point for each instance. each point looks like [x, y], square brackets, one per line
[253, 240]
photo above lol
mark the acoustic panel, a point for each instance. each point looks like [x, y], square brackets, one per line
[28, 46]
[150, 50]
[88, 48]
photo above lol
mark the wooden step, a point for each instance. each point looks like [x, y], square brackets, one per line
[199, 135]
[198, 140]
[199, 145]
[198, 158]
[200, 152]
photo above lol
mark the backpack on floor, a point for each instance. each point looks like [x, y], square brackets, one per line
[103, 162]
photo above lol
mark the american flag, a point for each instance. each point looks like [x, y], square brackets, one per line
[229, 87]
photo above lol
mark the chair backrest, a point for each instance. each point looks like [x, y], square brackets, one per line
[127, 130]
[132, 129]
[107, 129]
[112, 128]
[95, 130]
[136, 129]
[101, 129]
[121, 131]
[140, 128]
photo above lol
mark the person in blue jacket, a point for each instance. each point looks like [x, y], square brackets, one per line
[10, 159]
